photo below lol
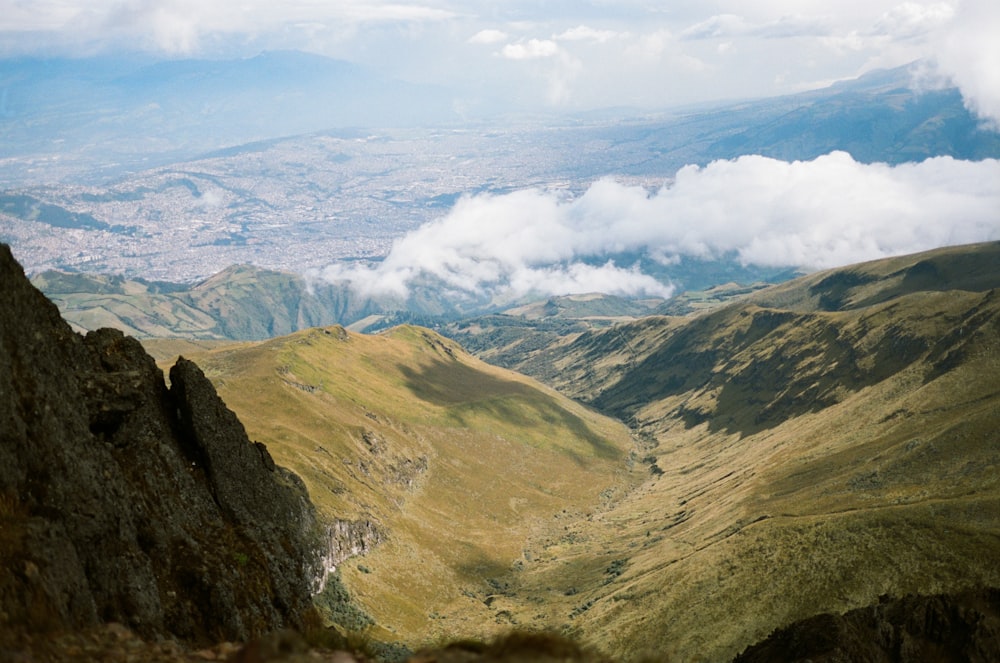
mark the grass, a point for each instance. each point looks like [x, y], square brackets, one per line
[817, 446]
[460, 462]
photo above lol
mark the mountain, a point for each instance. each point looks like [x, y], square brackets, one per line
[446, 474]
[804, 462]
[816, 447]
[811, 447]
[883, 116]
[124, 501]
[244, 302]
[239, 303]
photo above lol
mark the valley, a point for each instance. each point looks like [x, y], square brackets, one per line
[456, 469]
[314, 195]
[805, 448]
[605, 387]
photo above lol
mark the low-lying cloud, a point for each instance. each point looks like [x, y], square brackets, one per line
[828, 212]
[967, 50]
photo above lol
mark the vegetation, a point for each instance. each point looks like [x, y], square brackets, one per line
[467, 467]
[807, 448]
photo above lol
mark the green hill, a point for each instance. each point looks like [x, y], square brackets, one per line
[444, 470]
[804, 449]
[814, 447]
[239, 303]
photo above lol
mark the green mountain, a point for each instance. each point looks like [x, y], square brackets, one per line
[445, 473]
[246, 303]
[802, 450]
[239, 303]
[812, 447]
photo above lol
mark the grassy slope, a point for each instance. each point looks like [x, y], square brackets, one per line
[463, 464]
[812, 460]
[806, 450]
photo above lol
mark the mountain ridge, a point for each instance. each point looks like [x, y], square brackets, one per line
[123, 500]
[804, 449]
[801, 450]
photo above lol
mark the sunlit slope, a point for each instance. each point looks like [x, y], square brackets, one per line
[801, 460]
[457, 463]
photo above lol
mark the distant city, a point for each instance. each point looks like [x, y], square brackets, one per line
[303, 202]
[110, 194]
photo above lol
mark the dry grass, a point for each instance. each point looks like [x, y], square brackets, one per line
[462, 463]
[789, 463]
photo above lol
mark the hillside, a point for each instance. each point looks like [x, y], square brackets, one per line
[446, 473]
[822, 447]
[805, 449]
[813, 447]
[241, 302]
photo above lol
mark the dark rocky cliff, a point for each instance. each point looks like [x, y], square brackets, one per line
[123, 500]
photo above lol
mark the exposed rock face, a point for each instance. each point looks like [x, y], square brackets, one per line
[121, 500]
[962, 627]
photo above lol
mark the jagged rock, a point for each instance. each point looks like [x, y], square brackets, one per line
[350, 538]
[121, 500]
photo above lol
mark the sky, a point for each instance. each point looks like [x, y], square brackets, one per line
[584, 54]
[557, 54]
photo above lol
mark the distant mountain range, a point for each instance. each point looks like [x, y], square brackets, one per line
[104, 110]
[245, 302]
[103, 116]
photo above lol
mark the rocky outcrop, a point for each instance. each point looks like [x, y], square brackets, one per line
[121, 500]
[960, 627]
[349, 538]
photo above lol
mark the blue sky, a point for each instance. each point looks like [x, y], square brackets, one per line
[558, 54]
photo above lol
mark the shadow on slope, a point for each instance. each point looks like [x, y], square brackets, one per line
[468, 393]
[745, 368]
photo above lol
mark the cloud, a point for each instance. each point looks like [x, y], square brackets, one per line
[585, 33]
[910, 20]
[967, 50]
[489, 36]
[184, 26]
[532, 49]
[828, 212]
[731, 25]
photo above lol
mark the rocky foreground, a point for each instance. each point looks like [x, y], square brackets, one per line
[125, 501]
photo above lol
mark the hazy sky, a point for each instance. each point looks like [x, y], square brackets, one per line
[550, 53]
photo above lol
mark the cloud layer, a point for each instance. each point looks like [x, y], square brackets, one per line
[584, 54]
[828, 212]
[967, 50]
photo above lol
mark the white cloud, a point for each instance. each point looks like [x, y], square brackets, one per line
[181, 26]
[629, 52]
[910, 19]
[732, 25]
[722, 25]
[585, 33]
[823, 213]
[532, 49]
[489, 36]
[650, 47]
[967, 50]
